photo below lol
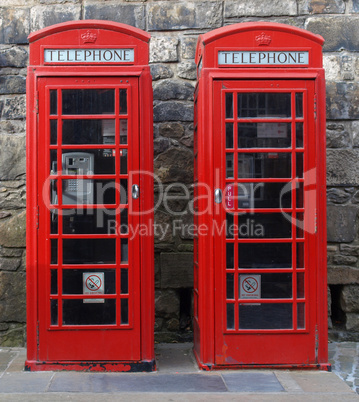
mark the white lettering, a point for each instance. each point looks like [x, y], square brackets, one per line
[262, 58]
[89, 55]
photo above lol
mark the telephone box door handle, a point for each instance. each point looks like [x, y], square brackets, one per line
[217, 195]
[135, 191]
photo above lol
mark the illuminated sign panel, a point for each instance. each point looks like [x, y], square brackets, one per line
[89, 55]
[241, 58]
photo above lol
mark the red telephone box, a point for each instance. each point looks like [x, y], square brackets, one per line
[260, 249]
[90, 196]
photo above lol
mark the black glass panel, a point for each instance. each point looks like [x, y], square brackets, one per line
[89, 221]
[54, 312]
[73, 281]
[230, 255]
[229, 105]
[94, 131]
[271, 225]
[54, 249]
[264, 195]
[89, 251]
[123, 101]
[124, 311]
[264, 135]
[87, 191]
[264, 104]
[88, 101]
[53, 132]
[301, 315]
[299, 104]
[124, 280]
[230, 316]
[76, 312]
[229, 135]
[54, 281]
[53, 101]
[265, 255]
[265, 316]
[299, 165]
[264, 165]
[230, 286]
[299, 135]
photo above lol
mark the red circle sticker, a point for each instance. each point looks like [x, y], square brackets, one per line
[93, 283]
[250, 285]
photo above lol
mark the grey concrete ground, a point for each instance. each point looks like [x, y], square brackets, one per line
[178, 379]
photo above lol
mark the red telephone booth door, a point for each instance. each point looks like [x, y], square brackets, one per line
[88, 259]
[265, 245]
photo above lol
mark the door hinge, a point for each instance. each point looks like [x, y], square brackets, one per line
[37, 217]
[315, 106]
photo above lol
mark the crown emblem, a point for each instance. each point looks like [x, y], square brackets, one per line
[263, 39]
[89, 37]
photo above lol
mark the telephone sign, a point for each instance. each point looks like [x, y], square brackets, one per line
[89, 125]
[260, 284]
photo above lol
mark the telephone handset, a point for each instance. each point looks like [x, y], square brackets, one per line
[78, 191]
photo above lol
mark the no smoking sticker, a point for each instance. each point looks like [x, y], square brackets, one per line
[93, 284]
[249, 287]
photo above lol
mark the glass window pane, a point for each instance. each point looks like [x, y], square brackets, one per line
[124, 250]
[299, 165]
[54, 312]
[54, 249]
[229, 135]
[264, 104]
[299, 104]
[123, 132]
[87, 191]
[271, 225]
[300, 225]
[76, 312]
[85, 161]
[264, 195]
[124, 221]
[89, 221]
[299, 195]
[230, 226]
[123, 161]
[230, 255]
[53, 132]
[230, 286]
[264, 165]
[124, 311]
[88, 101]
[53, 161]
[54, 282]
[72, 281]
[300, 255]
[264, 135]
[265, 316]
[123, 101]
[53, 101]
[300, 285]
[124, 280]
[123, 191]
[299, 135]
[229, 166]
[230, 316]
[272, 286]
[54, 217]
[94, 131]
[265, 255]
[89, 251]
[229, 105]
[301, 315]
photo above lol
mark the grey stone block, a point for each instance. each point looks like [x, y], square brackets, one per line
[339, 195]
[235, 8]
[130, 14]
[341, 225]
[12, 156]
[12, 296]
[163, 49]
[167, 303]
[342, 275]
[175, 165]
[15, 26]
[160, 71]
[187, 70]
[165, 16]
[14, 56]
[14, 107]
[44, 16]
[176, 270]
[173, 90]
[342, 100]
[12, 84]
[188, 47]
[321, 7]
[349, 299]
[173, 111]
[338, 32]
[343, 167]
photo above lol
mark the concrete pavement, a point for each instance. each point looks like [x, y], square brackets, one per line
[178, 379]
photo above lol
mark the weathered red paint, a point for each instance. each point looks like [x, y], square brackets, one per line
[112, 347]
[216, 346]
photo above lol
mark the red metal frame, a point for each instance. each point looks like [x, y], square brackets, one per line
[117, 349]
[255, 348]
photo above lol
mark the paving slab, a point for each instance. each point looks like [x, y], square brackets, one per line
[252, 382]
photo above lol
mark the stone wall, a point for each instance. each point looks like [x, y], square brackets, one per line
[174, 26]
